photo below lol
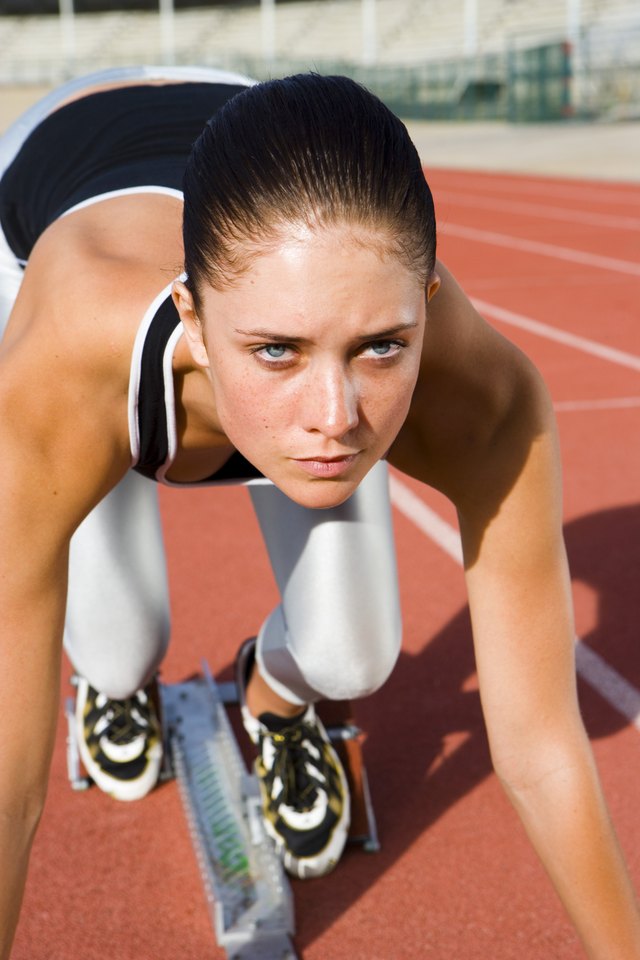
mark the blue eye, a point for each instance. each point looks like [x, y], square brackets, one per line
[382, 348]
[274, 354]
[275, 350]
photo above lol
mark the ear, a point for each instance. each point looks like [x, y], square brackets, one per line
[194, 333]
[433, 285]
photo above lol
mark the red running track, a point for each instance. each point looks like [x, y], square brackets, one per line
[556, 266]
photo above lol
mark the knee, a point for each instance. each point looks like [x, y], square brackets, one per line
[327, 659]
[118, 684]
[353, 668]
[121, 664]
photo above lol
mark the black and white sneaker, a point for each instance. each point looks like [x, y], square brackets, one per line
[119, 741]
[305, 797]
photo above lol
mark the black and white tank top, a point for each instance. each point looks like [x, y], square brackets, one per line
[152, 412]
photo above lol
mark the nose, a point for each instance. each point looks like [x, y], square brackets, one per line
[331, 402]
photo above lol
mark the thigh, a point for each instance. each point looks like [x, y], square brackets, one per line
[117, 624]
[340, 618]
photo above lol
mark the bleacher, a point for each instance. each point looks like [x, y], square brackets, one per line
[318, 34]
[408, 31]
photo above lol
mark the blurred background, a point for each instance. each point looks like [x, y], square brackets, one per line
[514, 61]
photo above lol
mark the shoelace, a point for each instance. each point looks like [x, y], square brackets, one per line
[124, 726]
[300, 790]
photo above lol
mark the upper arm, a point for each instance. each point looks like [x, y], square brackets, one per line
[519, 589]
[63, 445]
[482, 430]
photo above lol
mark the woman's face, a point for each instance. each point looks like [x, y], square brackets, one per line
[313, 355]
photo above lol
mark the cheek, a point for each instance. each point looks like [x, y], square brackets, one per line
[246, 410]
[387, 402]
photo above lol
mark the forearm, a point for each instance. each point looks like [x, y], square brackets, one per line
[23, 786]
[16, 837]
[29, 696]
[565, 816]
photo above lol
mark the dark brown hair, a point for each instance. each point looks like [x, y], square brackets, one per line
[305, 149]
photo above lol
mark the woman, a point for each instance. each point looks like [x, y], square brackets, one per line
[311, 336]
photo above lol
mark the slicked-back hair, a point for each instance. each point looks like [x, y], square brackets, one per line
[304, 150]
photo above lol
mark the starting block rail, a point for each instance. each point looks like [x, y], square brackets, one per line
[249, 897]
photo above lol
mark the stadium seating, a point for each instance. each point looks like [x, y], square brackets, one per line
[43, 48]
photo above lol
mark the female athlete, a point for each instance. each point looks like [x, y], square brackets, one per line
[289, 329]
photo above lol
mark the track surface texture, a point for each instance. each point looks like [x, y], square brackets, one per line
[555, 265]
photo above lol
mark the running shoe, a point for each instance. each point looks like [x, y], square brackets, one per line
[119, 741]
[305, 797]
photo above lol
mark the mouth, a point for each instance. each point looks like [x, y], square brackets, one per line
[326, 467]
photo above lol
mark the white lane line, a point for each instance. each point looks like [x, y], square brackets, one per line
[612, 687]
[600, 350]
[523, 185]
[610, 403]
[540, 248]
[464, 199]
[617, 691]
[426, 519]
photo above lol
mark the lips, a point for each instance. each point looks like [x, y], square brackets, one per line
[326, 467]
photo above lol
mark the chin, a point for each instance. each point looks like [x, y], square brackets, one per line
[319, 494]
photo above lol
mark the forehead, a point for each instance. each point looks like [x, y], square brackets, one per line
[309, 272]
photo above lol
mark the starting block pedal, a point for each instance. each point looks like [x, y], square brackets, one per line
[77, 780]
[249, 896]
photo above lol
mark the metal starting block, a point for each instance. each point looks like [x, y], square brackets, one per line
[249, 896]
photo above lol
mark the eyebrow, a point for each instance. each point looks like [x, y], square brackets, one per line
[365, 338]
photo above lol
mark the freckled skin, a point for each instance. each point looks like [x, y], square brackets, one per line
[314, 354]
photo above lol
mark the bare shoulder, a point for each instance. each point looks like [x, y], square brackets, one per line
[64, 366]
[104, 263]
[478, 406]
